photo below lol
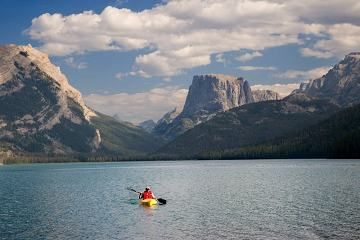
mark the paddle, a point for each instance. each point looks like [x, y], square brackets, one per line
[160, 200]
[128, 188]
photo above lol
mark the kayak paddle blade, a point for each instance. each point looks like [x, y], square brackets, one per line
[161, 200]
[130, 189]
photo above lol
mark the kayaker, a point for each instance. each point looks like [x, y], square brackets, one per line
[147, 194]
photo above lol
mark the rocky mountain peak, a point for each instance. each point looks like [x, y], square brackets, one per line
[355, 55]
[220, 77]
[265, 95]
[16, 59]
[216, 92]
[169, 116]
[341, 84]
[39, 109]
[208, 95]
[147, 125]
[41, 112]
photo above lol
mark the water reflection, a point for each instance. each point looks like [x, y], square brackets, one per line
[280, 199]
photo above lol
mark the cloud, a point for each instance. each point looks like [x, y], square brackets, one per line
[282, 89]
[137, 107]
[121, 75]
[220, 58]
[343, 39]
[249, 56]
[256, 68]
[73, 64]
[325, 12]
[180, 34]
[308, 52]
[304, 75]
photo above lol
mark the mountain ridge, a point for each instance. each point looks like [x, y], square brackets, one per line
[336, 137]
[41, 112]
[255, 123]
[209, 95]
[250, 124]
[341, 84]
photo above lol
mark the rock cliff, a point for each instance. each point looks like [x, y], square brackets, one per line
[208, 95]
[147, 125]
[341, 84]
[256, 123]
[41, 112]
[216, 93]
[265, 95]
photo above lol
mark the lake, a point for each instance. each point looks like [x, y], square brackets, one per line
[257, 199]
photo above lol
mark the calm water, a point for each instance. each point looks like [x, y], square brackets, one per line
[287, 199]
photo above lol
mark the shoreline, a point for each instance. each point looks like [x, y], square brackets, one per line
[167, 160]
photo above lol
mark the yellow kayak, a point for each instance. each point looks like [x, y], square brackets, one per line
[148, 202]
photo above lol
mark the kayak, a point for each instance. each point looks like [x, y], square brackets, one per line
[148, 202]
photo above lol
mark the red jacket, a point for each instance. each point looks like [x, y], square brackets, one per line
[147, 195]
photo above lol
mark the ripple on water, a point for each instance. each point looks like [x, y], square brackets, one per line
[278, 199]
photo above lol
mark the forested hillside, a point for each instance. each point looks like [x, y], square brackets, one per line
[335, 137]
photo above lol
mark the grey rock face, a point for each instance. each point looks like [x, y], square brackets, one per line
[169, 116]
[214, 93]
[265, 95]
[41, 112]
[167, 119]
[255, 123]
[341, 84]
[162, 126]
[208, 95]
[147, 125]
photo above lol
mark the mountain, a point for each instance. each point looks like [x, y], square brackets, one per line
[168, 117]
[208, 95]
[265, 95]
[214, 93]
[123, 138]
[41, 112]
[147, 125]
[256, 123]
[251, 124]
[162, 127]
[117, 117]
[341, 84]
[336, 137]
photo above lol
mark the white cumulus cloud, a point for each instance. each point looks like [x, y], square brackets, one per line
[256, 68]
[344, 38]
[220, 58]
[304, 75]
[309, 52]
[181, 34]
[249, 56]
[73, 64]
[137, 107]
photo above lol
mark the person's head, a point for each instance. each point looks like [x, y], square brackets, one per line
[147, 189]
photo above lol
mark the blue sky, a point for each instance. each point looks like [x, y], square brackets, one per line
[136, 58]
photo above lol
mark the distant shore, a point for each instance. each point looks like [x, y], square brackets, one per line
[29, 159]
[99, 159]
